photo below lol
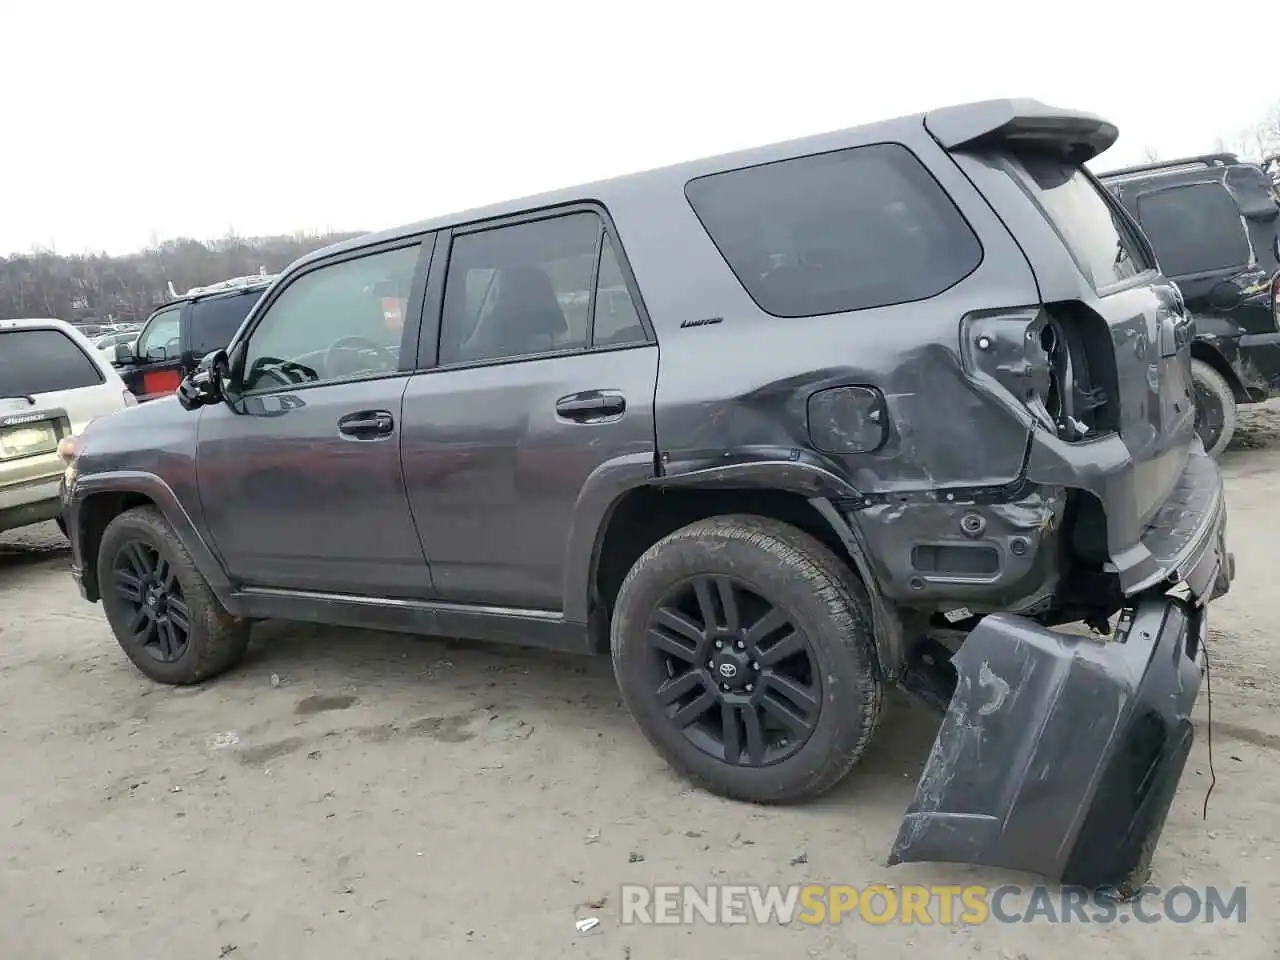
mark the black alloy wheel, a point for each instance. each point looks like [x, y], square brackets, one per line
[147, 584]
[732, 672]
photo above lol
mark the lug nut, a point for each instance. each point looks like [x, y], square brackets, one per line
[711, 664]
[724, 687]
[755, 665]
[750, 687]
[719, 644]
[741, 645]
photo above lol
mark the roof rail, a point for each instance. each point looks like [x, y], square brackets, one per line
[1204, 160]
[222, 286]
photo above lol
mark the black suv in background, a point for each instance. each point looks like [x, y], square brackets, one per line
[775, 429]
[1214, 222]
[182, 331]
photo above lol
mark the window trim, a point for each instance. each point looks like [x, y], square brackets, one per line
[427, 358]
[427, 242]
[977, 237]
[1251, 254]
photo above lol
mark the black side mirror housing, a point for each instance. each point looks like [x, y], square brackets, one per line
[203, 386]
[124, 352]
[157, 353]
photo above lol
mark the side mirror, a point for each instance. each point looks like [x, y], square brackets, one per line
[157, 353]
[124, 352]
[203, 386]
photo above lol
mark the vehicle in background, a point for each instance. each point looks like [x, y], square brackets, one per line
[1214, 222]
[52, 385]
[107, 342]
[180, 332]
[923, 395]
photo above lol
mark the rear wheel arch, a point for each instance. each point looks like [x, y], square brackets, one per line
[645, 514]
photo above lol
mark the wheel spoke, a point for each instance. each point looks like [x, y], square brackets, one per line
[731, 732]
[179, 615]
[729, 604]
[128, 587]
[802, 697]
[137, 621]
[695, 708]
[169, 641]
[675, 646]
[787, 645]
[675, 688]
[165, 574]
[706, 604]
[794, 721]
[756, 743]
[770, 623]
[136, 556]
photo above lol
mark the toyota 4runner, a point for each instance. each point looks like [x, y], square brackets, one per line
[777, 429]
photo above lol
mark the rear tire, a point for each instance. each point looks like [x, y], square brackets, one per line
[163, 613]
[1215, 407]
[815, 696]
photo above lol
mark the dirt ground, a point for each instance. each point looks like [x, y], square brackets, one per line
[361, 794]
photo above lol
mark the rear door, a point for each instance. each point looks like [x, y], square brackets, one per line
[542, 372]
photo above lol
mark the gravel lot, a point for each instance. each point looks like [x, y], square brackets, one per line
[346, 794]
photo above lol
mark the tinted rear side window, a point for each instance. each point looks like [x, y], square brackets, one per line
[849, 230]
[43, 361]
[1194, 228]
[1096, 232]
[214, 322]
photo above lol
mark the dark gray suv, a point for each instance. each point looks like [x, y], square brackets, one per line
[777, 429]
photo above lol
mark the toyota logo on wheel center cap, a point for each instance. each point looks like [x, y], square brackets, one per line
[728, 671]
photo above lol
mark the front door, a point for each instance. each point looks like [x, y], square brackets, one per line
[299, 474]
[546, 374]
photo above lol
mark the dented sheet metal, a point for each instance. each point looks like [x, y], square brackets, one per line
[1060, 754]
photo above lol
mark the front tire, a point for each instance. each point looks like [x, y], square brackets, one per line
[744, 652]
[163, 613]
[1215, 407]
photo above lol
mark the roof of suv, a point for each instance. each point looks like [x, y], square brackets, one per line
[967, 124]
[225, 288]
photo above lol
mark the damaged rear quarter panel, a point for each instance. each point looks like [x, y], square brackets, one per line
[732, 408]
[727, 389]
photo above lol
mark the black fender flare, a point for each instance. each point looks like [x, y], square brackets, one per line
[170, 506]
[606, 487]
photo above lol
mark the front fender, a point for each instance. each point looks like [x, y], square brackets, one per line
[85, 526]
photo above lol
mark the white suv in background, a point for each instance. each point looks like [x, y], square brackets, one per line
[52, 383]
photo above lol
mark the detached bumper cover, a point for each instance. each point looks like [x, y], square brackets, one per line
[1060, 754]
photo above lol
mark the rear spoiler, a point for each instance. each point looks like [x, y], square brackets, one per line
[1079, 136]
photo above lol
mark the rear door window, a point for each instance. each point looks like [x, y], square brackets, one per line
[43, 361]
[214, 322]
[1095, 230]
[849, 230]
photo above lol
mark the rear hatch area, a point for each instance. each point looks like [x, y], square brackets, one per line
[1060, 752]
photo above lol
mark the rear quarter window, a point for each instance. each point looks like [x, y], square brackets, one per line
[834, 232]
[43, 361]
[1194, 228]
[1098, 235]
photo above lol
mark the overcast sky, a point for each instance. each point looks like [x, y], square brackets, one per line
[128, 122]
